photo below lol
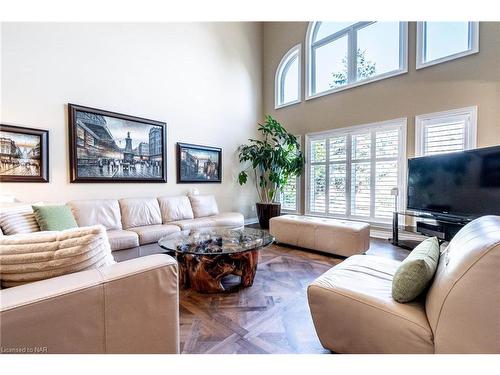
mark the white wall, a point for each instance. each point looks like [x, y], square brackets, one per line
[203, 79]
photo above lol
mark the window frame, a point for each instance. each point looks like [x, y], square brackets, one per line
[470, 141]
[298, 195]
[399, 123]
[351, 55]
[280, 74]
[473, 42]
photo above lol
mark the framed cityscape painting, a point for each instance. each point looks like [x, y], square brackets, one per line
[198, 163]
[24, 154]
[112, 147]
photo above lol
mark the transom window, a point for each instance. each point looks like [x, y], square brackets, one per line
[345, 54]
[287, 80]
[438, 42]
[351, 172]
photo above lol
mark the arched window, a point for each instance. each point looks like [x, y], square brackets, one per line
[287, 79]
[341, 55]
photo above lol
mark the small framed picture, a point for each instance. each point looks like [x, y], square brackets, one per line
[112, 147]
[197, 163]
[24, 154]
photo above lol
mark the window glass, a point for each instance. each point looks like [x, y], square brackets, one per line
[331, 65]
[290, 82]
[445, 39]
[340, 54]
[287, 81]
[378, 49]
[325, 29]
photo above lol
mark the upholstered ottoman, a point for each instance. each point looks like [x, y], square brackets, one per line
[340, 237]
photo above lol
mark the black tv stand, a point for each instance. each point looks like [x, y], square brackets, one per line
[444, 229]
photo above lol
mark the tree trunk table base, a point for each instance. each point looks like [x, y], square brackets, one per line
[204, 272]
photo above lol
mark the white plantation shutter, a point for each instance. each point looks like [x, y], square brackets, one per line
[290, 196]
[351, 172]
[444, 137]
[289, 199]
[443, 132]
[317, 183]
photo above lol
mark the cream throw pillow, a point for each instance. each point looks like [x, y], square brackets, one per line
[17, 219]
[175, 208]
[204, 205]
[32, 257]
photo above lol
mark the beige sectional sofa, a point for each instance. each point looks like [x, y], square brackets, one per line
[353, 310]
[135, 222]
[127, 307]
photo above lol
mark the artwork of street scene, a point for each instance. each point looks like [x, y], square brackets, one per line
[199, 164]
[117, 149]
[19, 154]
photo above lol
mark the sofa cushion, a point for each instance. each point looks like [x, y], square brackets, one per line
[415, 273]
[105, 212]
[37, 256]
[18, 219]
[175, 208]
[54, 217]
[225, 219]
[137, 212]
[152, 233]
[203, 205]
[354, 312]
[120, 239]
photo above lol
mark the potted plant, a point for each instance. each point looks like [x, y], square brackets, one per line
[274, 159]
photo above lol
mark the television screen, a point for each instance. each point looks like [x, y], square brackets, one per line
[461, 183]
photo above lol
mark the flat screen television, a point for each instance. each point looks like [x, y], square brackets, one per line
[463, 184]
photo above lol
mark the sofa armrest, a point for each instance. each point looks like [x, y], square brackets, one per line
[128, 307]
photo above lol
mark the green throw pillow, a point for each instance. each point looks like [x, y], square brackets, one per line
[415, 273]
[54, 217]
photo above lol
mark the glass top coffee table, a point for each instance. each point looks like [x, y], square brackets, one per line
[207, 257]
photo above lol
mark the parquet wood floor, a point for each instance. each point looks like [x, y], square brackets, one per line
[272, 316]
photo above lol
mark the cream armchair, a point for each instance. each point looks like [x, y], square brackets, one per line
[128, 307]
[353, 310]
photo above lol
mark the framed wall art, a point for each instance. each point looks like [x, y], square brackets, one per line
[24, 154]
[112, 147]
[197, 163]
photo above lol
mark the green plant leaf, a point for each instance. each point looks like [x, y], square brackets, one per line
[242, 178]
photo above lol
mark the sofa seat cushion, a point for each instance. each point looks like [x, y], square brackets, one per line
[152, 233]
[353, 310]
[120, 239]
[97, 211]
[226, 219]
[138, 212]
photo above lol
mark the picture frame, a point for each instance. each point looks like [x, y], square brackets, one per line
[24, 154]
[198, 164]
[107, 146]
